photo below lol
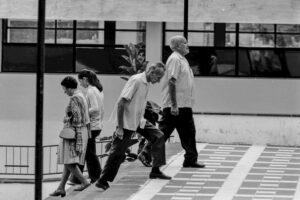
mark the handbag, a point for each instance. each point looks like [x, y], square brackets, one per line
[67, 133]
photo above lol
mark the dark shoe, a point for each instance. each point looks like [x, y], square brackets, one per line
[144, 161]
[193, 165]
[130, 159]
[57, 193]
[82, 187]
[93, 181]
[132, 156]
[102, 184]
[159, 175]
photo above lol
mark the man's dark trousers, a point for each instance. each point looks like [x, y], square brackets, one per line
[185, 126]
[118, 148]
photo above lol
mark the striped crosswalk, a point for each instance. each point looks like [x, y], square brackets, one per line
[233, 172]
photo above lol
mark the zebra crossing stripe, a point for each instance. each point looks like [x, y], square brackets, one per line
[239, 173]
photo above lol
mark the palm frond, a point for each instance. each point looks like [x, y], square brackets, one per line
[124, 78]
[126, 58]
[126, 68]
[134, 67]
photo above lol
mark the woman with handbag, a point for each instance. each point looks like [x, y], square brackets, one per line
[71, 152]
[95, 97]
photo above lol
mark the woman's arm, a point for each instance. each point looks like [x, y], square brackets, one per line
[93, 104]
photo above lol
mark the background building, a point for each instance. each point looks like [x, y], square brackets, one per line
[251, 96]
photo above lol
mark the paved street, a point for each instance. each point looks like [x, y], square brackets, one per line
[233, 172]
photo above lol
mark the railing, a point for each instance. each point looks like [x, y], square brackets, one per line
[18, 161]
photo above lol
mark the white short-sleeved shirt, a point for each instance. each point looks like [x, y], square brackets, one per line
[178, 67]
[135, 91]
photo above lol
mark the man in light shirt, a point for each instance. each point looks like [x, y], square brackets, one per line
[178, 100]
[130, 119]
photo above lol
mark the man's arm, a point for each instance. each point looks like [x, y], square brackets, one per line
[127, 94]
[172, 92]
[120, 115]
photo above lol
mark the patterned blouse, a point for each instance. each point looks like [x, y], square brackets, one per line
[77, 117]
[76, 111]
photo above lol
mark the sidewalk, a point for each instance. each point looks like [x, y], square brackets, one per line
[130, 178]
[233, 172]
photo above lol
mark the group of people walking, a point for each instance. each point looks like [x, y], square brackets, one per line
[85, 114]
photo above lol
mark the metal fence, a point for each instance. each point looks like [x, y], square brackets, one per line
[19, 160]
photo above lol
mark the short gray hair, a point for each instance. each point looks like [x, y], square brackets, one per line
[175, 41]
[157, 67]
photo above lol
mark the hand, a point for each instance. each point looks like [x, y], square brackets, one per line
[66, 119]
[174, 110]
[120, 133]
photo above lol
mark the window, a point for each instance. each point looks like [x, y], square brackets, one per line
[130, 32]
[230, 35]
[90, 32]
[99, 59]
[256, 35]
[293, 60]
[70, 45]
[199, 34]
[288, 36]
[22, 35]
[19, 58]
[22, 58]
[216, 49]
[248, 50]
[26, 31]
[265, 62]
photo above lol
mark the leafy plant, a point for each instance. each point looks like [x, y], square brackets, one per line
[136, 65]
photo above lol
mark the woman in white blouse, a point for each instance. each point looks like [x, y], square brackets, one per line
[95, 97]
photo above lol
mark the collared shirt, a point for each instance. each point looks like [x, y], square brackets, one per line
[95, 102]
[178, 67]
[135, 92]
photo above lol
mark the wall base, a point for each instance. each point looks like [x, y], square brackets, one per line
[228, 129]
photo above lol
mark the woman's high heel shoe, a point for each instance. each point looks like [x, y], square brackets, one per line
[56, 193]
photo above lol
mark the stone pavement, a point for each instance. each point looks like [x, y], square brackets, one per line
[233, 172]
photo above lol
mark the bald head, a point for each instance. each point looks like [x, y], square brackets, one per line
[179, 44]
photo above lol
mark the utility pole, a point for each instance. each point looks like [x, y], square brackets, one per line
[186, 18]
[40, 68]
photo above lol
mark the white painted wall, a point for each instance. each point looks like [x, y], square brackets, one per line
[17, 105]
[280, 96]
[248, 95]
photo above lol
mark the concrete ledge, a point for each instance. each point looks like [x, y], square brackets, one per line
[263, 130]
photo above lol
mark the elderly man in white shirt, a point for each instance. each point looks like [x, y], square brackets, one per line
[178, 100]
[130, 119]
